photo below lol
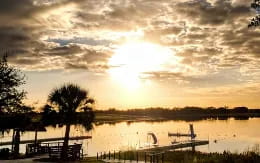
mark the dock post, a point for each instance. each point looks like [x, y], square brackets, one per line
[119, 155]
[104, 155]
[145, 157]
[97, 155]
[124, 156]
[151, 158]
[109, 155]
[157, 158]
[35, 141]
[136, 156]
[193, 148]
[162, 157]
[114, 154]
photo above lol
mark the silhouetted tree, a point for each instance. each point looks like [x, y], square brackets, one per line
[23, 109]
[47, 109]
[256, 20]
[10, 79]
[49, 115]
[240, 109]
[69, 99]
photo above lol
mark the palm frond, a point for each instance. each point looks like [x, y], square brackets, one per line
[69, 98]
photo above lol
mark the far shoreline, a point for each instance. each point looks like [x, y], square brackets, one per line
[112, 116]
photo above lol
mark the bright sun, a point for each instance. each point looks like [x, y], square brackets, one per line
[132, 60]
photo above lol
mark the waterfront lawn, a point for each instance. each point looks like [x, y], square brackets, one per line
[193, 157]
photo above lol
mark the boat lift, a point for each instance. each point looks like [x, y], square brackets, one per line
[175, 145]
[191, 133]
[155, 141]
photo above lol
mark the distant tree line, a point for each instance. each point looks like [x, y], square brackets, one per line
[187, 109]
[191, 112]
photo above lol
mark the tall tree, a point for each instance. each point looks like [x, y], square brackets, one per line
[69, 99]
[256, 20]
[10, 79]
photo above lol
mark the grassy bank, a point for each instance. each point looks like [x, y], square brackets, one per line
[191, 157]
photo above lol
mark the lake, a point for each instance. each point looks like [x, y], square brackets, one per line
[232, 135]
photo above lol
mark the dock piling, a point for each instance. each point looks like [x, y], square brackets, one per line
[114, 154]
[162, 157]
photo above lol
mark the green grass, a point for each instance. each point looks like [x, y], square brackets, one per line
[91, 160]
[194, 157]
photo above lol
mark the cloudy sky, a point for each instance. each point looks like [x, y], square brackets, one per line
[136, 53]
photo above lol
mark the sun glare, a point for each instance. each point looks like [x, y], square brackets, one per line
[132, 60]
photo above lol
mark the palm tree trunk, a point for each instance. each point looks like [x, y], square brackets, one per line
[66, 142]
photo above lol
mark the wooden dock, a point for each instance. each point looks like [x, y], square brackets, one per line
[46, 140]
[178, 145]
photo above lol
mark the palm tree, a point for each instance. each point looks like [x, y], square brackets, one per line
[69, 99]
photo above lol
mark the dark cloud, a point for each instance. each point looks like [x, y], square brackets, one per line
[165, 75]
[197, 52]
[209, 36]
[67, 50]
[76, 56]
[241, 41]
[157, 33]
[226, 76]
[86, 55]
[206, 13]
[21, 44]
[94, 68]
[81, 40]
[12, 36]
[15, 8]
[92, 56]
[27, 61]
[17, 11]
[21, 32]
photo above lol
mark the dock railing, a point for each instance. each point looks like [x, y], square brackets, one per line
[54, 149]
[74, 152]
[40, 148]
[137, 156]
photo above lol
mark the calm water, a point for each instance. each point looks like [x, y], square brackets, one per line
[232, 135]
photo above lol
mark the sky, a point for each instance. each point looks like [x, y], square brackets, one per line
[136, 53]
